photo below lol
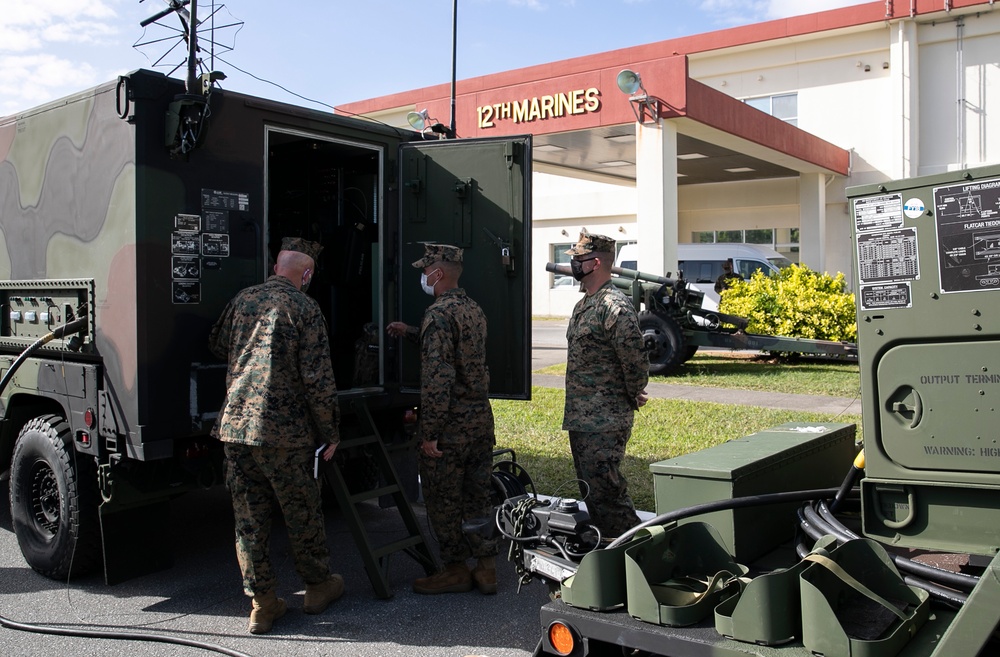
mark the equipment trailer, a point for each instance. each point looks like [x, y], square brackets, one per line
[926, 485]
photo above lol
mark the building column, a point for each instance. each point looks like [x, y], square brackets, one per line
[656, 196]
[812, 221]
[905, 99]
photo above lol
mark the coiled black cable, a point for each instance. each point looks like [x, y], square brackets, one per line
[960, 581]
[813, 527]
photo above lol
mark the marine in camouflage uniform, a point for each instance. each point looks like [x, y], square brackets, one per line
[456, 425]
[281, 403]
[606, 375]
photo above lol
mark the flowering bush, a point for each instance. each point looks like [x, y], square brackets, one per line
[797, 303]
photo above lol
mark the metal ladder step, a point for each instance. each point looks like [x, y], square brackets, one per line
[376, 558]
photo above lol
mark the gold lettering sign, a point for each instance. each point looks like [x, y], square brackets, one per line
[540, 108]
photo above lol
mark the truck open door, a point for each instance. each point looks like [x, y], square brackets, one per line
[474, 194]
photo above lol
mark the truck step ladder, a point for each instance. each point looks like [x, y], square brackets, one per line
[376, 557]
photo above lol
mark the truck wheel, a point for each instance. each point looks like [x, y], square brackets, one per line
[663, 340]
[53, 500]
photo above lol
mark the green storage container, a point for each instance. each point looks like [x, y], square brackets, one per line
[793, 456]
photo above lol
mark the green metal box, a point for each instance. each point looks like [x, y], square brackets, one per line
[789, 457]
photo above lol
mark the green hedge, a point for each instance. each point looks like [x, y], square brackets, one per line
[797, 303]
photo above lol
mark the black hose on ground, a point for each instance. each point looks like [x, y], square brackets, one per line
[127, 636]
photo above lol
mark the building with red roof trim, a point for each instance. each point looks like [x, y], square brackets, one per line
[750, 134]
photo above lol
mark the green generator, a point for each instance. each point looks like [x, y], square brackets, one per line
[927, 283]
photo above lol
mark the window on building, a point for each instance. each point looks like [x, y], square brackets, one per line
[759, 236]
[781, 106]
[618, 246]
[783, 240]
[560, 257]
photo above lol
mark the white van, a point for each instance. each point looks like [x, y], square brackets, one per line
[702, 263]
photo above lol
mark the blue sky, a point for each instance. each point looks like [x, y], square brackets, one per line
[333, 51]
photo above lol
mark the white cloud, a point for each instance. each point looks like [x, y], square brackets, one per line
[743, 12]
[786, 8]
[531, 4]
[734, 12]
[81, 32]
[49, 48]
[29, 80]
[37, 15]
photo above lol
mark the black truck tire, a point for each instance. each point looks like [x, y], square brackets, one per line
[53, 501]
[663, 340]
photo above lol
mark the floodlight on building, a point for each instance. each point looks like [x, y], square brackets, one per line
[630, 84]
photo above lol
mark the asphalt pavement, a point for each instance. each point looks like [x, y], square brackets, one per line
[199, 600]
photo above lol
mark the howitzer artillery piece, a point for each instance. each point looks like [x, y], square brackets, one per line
[674, 323]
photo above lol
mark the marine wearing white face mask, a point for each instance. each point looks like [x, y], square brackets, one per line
[425, 284]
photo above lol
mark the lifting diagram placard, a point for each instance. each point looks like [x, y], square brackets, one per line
[968, 236]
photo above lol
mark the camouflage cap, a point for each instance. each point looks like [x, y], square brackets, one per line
[311, 249]
[438, 253]
[589, 243]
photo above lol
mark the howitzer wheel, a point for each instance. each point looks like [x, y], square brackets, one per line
[663, 340]
[53, 500]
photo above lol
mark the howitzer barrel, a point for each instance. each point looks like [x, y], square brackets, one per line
[629, 274]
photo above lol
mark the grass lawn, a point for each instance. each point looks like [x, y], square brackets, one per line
[666, 428]
[746, 371]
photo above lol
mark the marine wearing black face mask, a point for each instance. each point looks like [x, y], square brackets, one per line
[576, 266]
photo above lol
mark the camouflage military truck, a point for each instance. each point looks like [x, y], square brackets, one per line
[132, 212]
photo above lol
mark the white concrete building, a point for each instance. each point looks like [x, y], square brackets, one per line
[748, 134]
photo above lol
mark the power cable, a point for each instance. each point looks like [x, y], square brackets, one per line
[397, 129]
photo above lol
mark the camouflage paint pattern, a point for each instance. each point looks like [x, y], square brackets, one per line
[606, 365]
[454, 379]
[67, 210]
[256, 477]
[456, 487]
[606, 369]
[280, 386]
[455, 410]
[597, 457]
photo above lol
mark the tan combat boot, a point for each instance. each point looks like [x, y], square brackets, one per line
[267, 608]
[455, 578]
[485, 575]
[319, 596]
